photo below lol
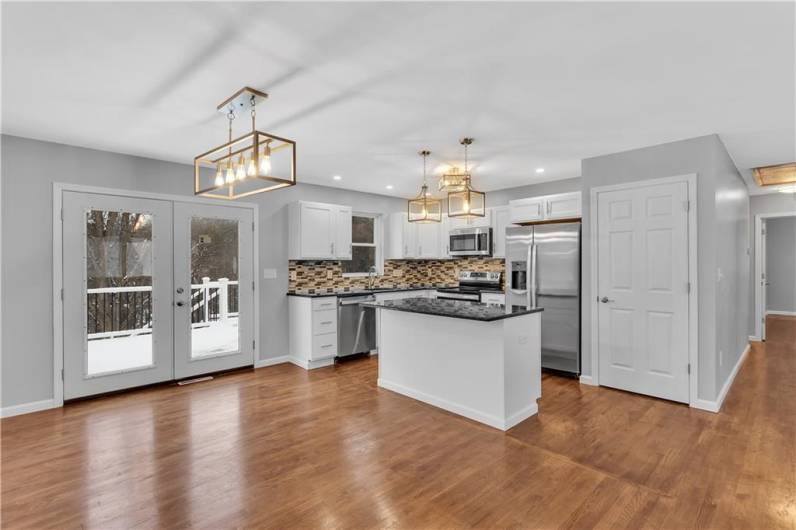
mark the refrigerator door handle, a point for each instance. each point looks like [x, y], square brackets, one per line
[531, 271]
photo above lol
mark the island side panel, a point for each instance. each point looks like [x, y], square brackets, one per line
[523, 375]
[451, 363]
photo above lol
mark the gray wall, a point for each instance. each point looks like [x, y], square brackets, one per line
[781, 264]
[30, 167]
[732, 243]
[705, 157]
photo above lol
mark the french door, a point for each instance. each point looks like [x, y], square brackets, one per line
[153, 290]
[642, 290]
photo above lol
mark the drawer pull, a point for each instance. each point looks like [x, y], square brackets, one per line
[327, 346]
[326, 323]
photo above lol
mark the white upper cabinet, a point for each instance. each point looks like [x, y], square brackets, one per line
[429, 240]
[527, 210]
[563, 205]
[546, 208]
[319, 231]
[500, 221]
[473, 222]
[342, 244]
[407, 240]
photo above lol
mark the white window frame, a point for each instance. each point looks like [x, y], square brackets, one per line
[378, 239]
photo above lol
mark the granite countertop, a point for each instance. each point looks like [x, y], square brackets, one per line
[454, 308]
[360, 292]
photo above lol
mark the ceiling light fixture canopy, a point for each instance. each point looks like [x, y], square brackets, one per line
[466, 202]
[253, 163]
[424, 208]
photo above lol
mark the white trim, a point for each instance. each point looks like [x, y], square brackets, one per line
[310, 365]
[27, 408]
[693, 297]
[262, 363]
[715, 406]
[758, 269]
[57, 263]
[587, 380]
[467, 412]
[781, 313]
[753, 338]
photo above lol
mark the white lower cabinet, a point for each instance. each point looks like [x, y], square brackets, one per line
[312, 330]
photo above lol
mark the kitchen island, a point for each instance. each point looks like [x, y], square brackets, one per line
[480, 361]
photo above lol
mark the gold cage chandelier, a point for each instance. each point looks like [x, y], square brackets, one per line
[454, 179]
[424, 208]
[466, 202]
[253, 163]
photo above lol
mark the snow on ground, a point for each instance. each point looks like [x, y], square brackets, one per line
[135, 351]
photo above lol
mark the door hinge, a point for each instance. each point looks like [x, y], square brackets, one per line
[252, 226]
[688, 287]
[252, 285]
[62, 374]
[62, 214]
[689, 368]
[686, 205]
[62, 294]
[253, 343]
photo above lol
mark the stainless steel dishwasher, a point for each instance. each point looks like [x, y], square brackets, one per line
[356, 325]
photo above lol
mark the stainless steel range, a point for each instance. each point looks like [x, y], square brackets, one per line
[471, 285]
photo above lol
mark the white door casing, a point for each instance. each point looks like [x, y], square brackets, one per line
[643, 289]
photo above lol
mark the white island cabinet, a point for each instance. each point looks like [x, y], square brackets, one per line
[476, 360]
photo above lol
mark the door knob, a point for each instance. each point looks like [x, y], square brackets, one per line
[180, 304]
[605, 300]
[180, 290]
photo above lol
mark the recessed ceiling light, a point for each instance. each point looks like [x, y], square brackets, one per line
[337, 177]
[539, 170]
[389, 186]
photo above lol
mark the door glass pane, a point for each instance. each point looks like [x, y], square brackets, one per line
[214, 286]
[119, 291]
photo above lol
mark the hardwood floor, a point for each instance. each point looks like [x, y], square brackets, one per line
[283, 448]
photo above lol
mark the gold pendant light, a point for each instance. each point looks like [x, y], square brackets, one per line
[466, 202]
[454, 179]
[252, 163]
[424, 208]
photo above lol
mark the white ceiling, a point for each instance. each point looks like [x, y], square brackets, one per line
[362, 87]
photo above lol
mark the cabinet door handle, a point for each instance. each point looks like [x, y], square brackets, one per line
[326, 323]
[326, 346]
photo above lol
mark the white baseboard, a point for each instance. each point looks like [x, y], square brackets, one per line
[467, 412]
[26, 408]
[587, 380]
[311, 365]
[754, 338]
[781, 313]
[715, 406]
[262, 363]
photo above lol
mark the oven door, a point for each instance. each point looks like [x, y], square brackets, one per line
[470, 242]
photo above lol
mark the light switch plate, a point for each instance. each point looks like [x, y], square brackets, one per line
[269, 274]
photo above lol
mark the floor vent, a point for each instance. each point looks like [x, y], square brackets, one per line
[195, 380]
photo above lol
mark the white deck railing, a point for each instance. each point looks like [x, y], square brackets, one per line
[202, 313]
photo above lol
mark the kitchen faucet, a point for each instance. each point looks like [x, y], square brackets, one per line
[371, 277]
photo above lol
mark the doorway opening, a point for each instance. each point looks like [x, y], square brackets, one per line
[775, 262]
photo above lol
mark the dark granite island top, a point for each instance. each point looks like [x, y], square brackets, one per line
[454, 308]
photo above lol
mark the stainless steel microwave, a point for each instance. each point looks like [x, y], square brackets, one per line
[470, 242]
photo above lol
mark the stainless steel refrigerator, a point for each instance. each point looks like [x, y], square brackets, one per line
[543, 270]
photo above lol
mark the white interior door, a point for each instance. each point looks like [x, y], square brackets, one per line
[213, 288]
[117, 283]
[643, 290]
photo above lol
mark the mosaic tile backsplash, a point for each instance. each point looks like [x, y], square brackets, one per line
[327, 276]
